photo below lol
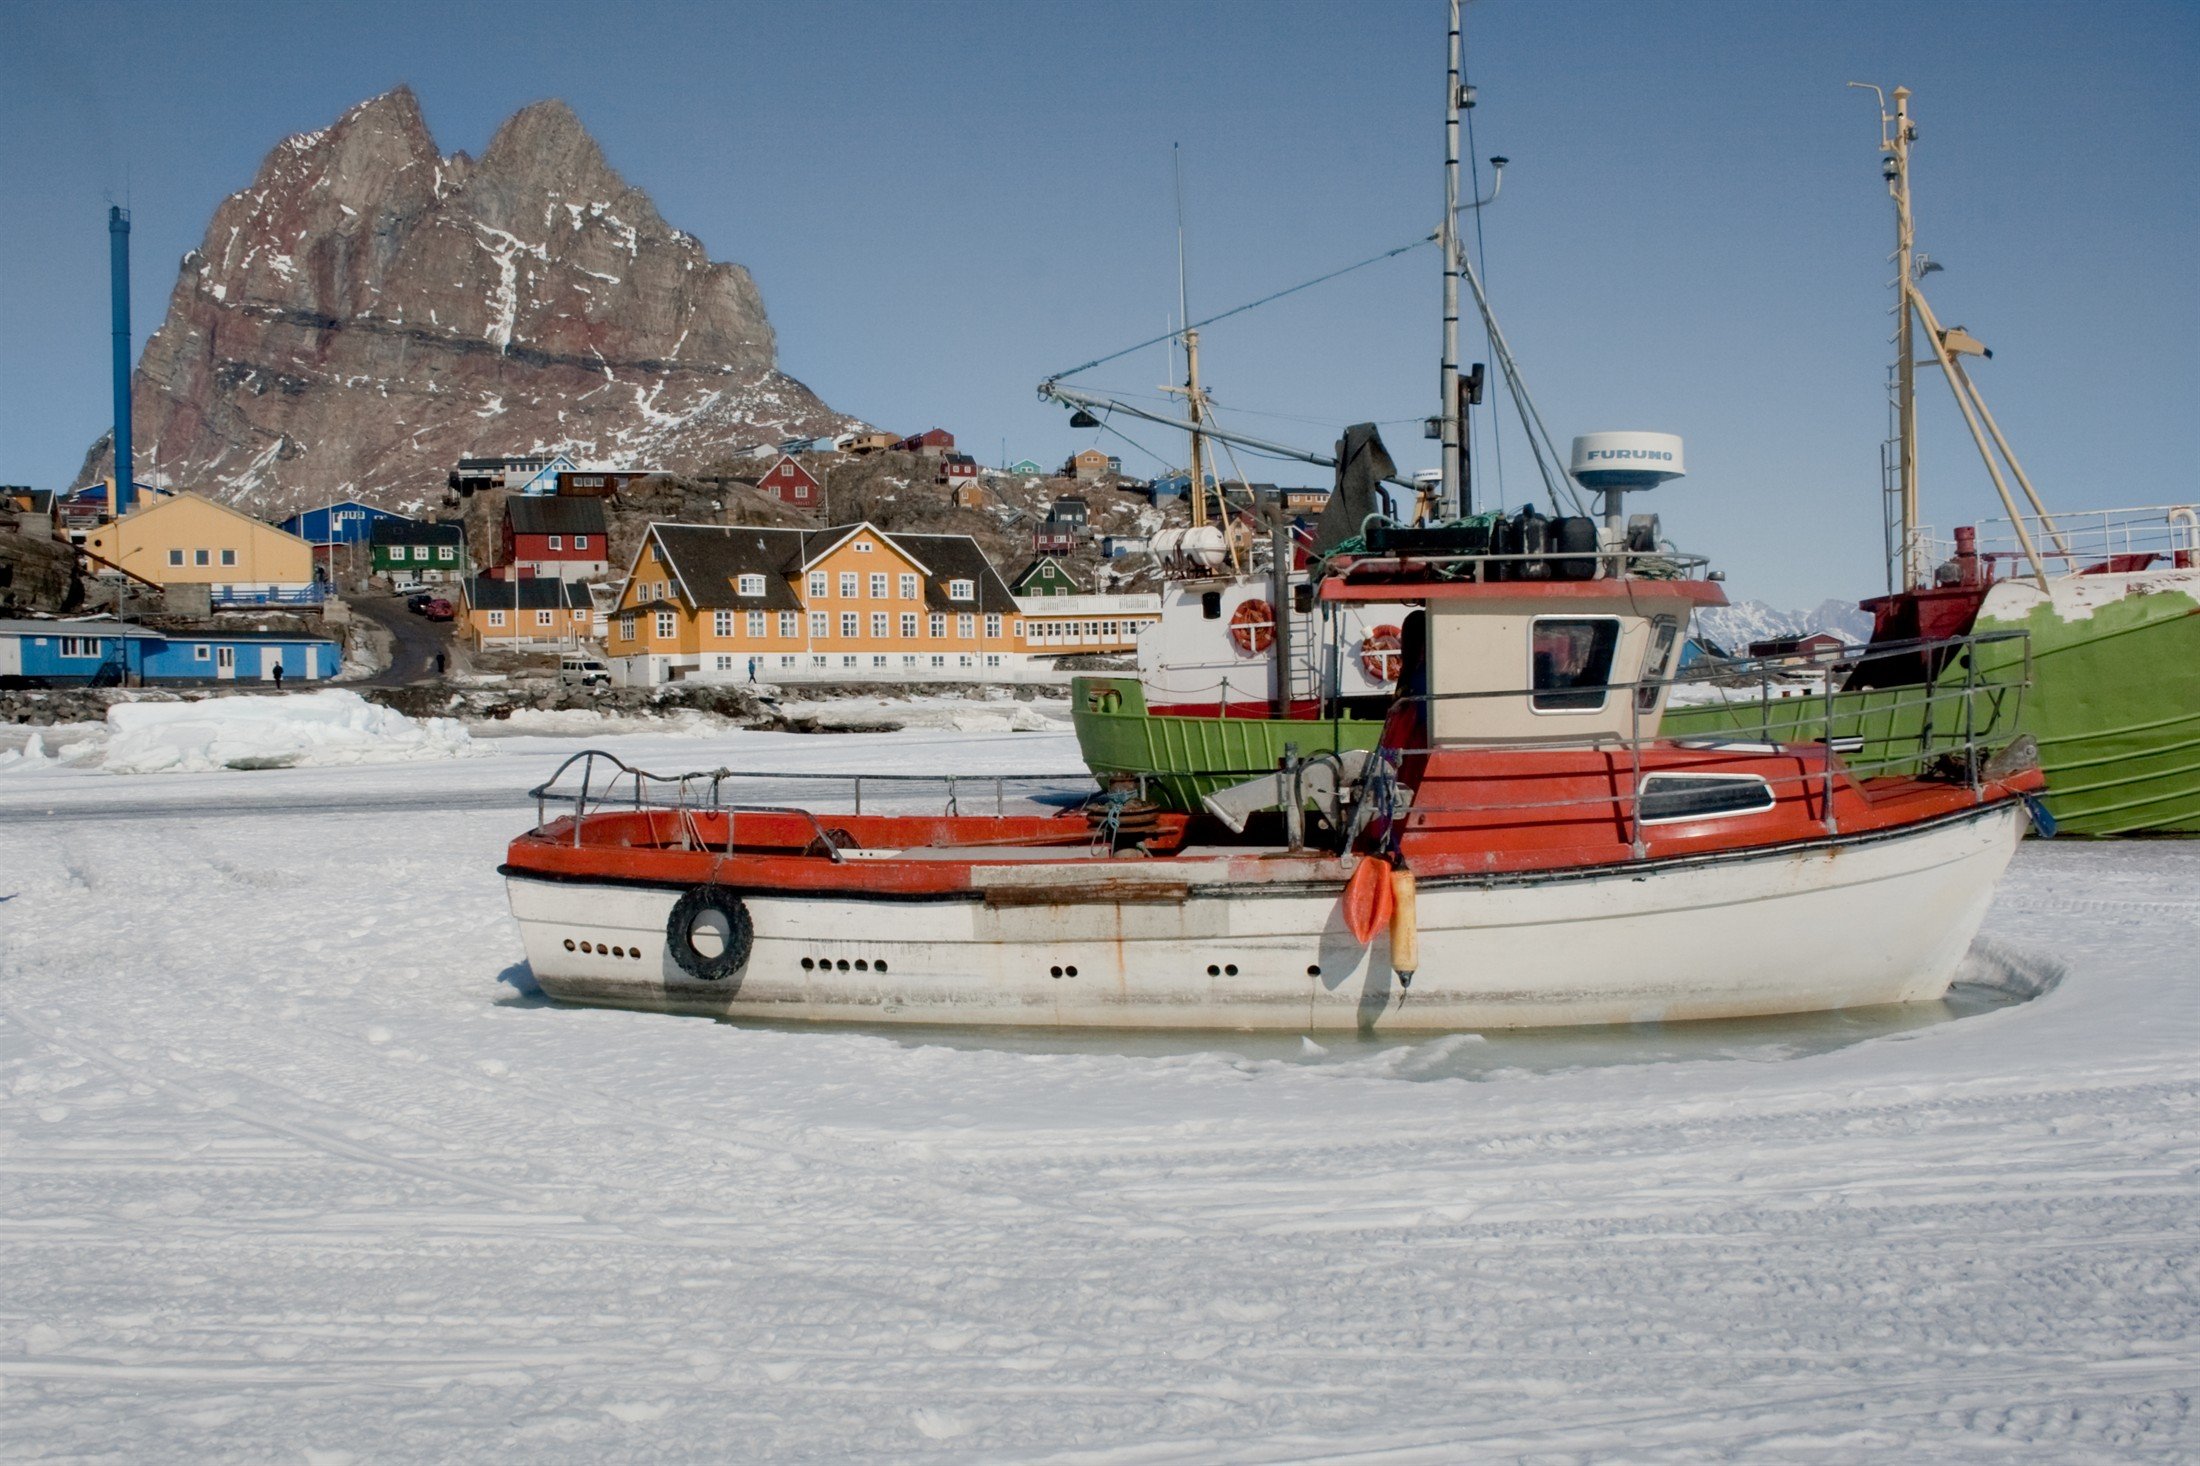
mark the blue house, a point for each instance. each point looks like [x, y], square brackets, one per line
[345, 522]
[109, 653]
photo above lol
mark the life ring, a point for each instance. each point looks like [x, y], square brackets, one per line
[1380, 654]
[688, 916]
[1253, 627]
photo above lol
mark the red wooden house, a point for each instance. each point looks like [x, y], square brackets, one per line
[932, 442]
[792, 484]
[555, 538]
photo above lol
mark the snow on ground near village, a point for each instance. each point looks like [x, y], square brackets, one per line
[295, 1164]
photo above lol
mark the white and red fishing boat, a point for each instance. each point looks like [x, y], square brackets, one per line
[1521, 849]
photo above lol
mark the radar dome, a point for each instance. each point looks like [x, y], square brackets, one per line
[1617, 462]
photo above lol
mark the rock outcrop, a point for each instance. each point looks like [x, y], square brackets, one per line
[369, 311]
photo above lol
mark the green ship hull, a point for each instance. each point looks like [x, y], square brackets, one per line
[2113, 701]
[1184, 759]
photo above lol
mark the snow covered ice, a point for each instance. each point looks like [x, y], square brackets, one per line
[295, 1164]
[328, 727]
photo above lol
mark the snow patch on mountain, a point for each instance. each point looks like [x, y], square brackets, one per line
[1735, 626]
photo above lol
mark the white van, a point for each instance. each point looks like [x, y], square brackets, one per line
[583, 671]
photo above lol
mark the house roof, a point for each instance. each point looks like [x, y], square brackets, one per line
[415, 532]
[540, 594]
[955, 557]
[554, 516]
[1038, 564]
[708, 559]
[79, 628]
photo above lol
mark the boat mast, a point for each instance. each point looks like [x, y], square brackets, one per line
[1897, 167]
[1448, 246]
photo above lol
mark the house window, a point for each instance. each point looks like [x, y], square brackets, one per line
[847, 661]
[198, 557]
[821, 624]
[909, 625]
[665, 624]
[802, 491]
[909, 661]
[175, 557]
[938, 660]
[1570, 662]
[863, 547]
[908, 587]
[786, 661]
[751, 585]
[580, 542]
[626, 626]
[580, 617]
[1016, 629]
[879, 662]
[878, 587]
[725, 662]
[878, 623]
[993, 625]
[993, 659]
[229, 557]
[496, 618]
[756, 624]
[817, 662]
[202, 653]
[446, 552]
[545, 618]
[965, 661]
[966, 625]
[962, 590]
[790, 624]
[850, 624]
[938, 624]
[848, 580]
[817, 585]
[721, 623]
[556, 541]
[80, 646]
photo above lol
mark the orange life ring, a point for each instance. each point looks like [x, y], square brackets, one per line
[1379, 654]
[1253, 627]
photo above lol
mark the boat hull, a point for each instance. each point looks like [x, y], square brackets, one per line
[1182, 758]
[1721, 937]
[2114, 701]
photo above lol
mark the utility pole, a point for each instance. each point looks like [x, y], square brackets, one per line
[1448, 247]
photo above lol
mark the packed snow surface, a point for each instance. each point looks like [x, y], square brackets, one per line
[313, 729]
[296, 1164]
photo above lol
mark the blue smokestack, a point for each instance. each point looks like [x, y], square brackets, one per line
[118, 266]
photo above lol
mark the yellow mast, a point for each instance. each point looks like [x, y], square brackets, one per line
[1195, 408]
[1905, 242]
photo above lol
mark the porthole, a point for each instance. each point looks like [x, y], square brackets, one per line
[879, 966]
[1213, 971]
[635, 953]
[863, 964]
[1230, 971]
[807, 964]
[1071, 971]
[1313, 969]
[568, 944]
[618, 951]
[1054, 972]
[843, 964]
[588, 947]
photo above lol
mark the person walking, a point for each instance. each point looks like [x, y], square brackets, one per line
[439, 662]
[752, 669]
[278, 676]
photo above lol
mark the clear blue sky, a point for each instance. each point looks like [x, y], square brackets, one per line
[944, 203]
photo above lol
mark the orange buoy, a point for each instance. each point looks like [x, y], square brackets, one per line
[1405, 927]
[1367, 898]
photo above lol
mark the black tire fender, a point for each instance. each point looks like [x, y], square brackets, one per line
[692, 906]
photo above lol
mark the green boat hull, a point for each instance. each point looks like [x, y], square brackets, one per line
[1184, 759]
[2113, 701]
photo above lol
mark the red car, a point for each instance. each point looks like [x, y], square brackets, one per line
[437, 609]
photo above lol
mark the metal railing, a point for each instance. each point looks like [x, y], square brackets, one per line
[2075, 541]
[594, 782]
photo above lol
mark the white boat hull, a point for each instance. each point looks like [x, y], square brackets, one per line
[1842, 924]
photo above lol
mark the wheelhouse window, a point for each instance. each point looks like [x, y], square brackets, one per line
[1669, 798]
[1658, 667]
[1571, 662]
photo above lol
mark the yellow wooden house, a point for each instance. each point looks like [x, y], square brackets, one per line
[187, 539]
[724, 603]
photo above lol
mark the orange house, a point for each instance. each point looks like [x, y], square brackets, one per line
[720, 603]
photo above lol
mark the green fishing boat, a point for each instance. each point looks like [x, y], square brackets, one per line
[2105, 678]
[1183, 757]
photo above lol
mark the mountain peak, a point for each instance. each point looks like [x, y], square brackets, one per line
[369, 310]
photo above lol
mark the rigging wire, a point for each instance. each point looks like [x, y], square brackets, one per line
[1249, 305]
[1474, 171]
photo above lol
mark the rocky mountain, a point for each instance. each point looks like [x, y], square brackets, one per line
[1735, 626]
[370, 310]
